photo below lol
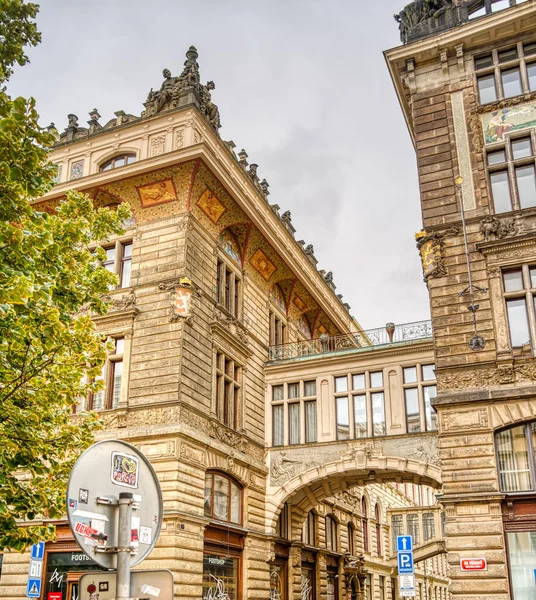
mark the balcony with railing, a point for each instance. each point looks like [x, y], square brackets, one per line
[359, 340]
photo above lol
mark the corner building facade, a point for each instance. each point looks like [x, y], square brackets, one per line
[237, 370]
[465, 81]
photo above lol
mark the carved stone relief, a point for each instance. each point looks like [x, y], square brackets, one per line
[157, 145]
[159, 450]
[466, 419]
[431, 249]
[193, 455]
[494, 229]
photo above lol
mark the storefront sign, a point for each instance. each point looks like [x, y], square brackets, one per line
[55, 596]
[473, 564]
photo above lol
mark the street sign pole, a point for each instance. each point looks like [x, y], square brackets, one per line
[124, 546]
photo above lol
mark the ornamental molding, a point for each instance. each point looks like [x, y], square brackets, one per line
[466, 419]
[482, 378]
[232, 331]
[505, 249]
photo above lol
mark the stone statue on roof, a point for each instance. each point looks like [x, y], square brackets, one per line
[208, 108]
[418, 11]
[190, 73]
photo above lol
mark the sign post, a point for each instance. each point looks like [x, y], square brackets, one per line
[406, 566]
[114, 526]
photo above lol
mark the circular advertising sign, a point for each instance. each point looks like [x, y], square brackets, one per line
[101, 473]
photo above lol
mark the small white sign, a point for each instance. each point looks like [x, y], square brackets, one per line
[406, 586]
[36, 568]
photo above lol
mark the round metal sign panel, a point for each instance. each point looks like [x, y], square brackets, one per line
[102, 472]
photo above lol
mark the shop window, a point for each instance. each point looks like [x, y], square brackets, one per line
[381, 585]
[307, 588]
[332, 587]
[228, 390]
[112, 375]
[119, 261]
[62, 570]
[419, 390]
[221, 576]
[512, 174]
[519, 288]
[118, 161]
[228, 288]
[331, 534]
[505, 73]
[223, 498]
[522, 561]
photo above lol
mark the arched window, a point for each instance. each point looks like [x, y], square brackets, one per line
[365, 525]
[230, 246]
[223, 498]
[515, 457]
[351, 537]
[309, 529]
[378, 530]
[331, 533]
[118, 161]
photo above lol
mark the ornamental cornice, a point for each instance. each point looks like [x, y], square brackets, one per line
[501, 246]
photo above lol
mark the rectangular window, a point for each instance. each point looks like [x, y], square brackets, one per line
[526, 186]
[413, 417]
[487, 91]
[293, 390]
[376, 379]
[378, 414]
[310, 421]
[360, 416]
[341, 384]
[228, 288]
[522, 559]
[277, 330]
[278, 424]
[309, 388]
[343, 423]
[430, 392]
[112, 376]
[119, 261]
[358, 382]
[518, 322]
[500, 190]
[228, 390]
[511, 82]
[531, 73]
[294, 423]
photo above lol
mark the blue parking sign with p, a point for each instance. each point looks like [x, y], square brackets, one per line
[405, 563]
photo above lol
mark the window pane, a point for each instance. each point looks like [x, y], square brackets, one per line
[294, 423]
[310, 422]
[208, 495]
[531, 71]
[410, 375]
[378, 414]
[500, 190]
[310, 388]
[126, 268]
[110, 254]
[98, 398]
[341, 384]
[343, 422]
[413, 527]
[360, 416]
[511, 81]
[429, 392]
[277, 392]
[358, 382]
[119, 345]
[293, 390]
[413, 418]
[506, 55]
[117, 373]
[119, 161]
[533, 277]
[499, 5]
[521, 148]
[512, 451]
[376, 379]
[130, 158]
[221, 498]
[487, 91]
[522, 559]
[428, 372]
[278, 424]
[428, 526]
[530, 47]
[526, 186]
[518, 322]
[513, 280]
[497, 157]
[483, 62]
[236, 501]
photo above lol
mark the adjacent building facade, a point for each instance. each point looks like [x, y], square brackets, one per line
[465, 78]
[291, 445]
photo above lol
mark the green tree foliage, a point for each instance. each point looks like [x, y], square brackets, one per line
[49, 352]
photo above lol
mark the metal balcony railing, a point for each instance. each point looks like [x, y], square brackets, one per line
[390, 334]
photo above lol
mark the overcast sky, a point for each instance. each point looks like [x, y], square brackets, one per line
[302, 85]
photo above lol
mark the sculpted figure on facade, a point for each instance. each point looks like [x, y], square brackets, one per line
[209, 109]
[418, 11]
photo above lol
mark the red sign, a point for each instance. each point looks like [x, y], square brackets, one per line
[55, 595]
[84, 529]
[473, 564]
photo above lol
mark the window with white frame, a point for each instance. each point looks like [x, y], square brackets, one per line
[228, 390]
[512, 172]
[360, 405]
[506, 72]
[419, 390]
[112, 375]
[119, 261]
[295, 404]
[228, 288]
[519, 288]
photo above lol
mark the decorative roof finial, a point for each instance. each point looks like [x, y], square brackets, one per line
[264, 187]
[243, 158]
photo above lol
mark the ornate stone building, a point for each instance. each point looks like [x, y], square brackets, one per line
[291, 445]
[466, 82]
